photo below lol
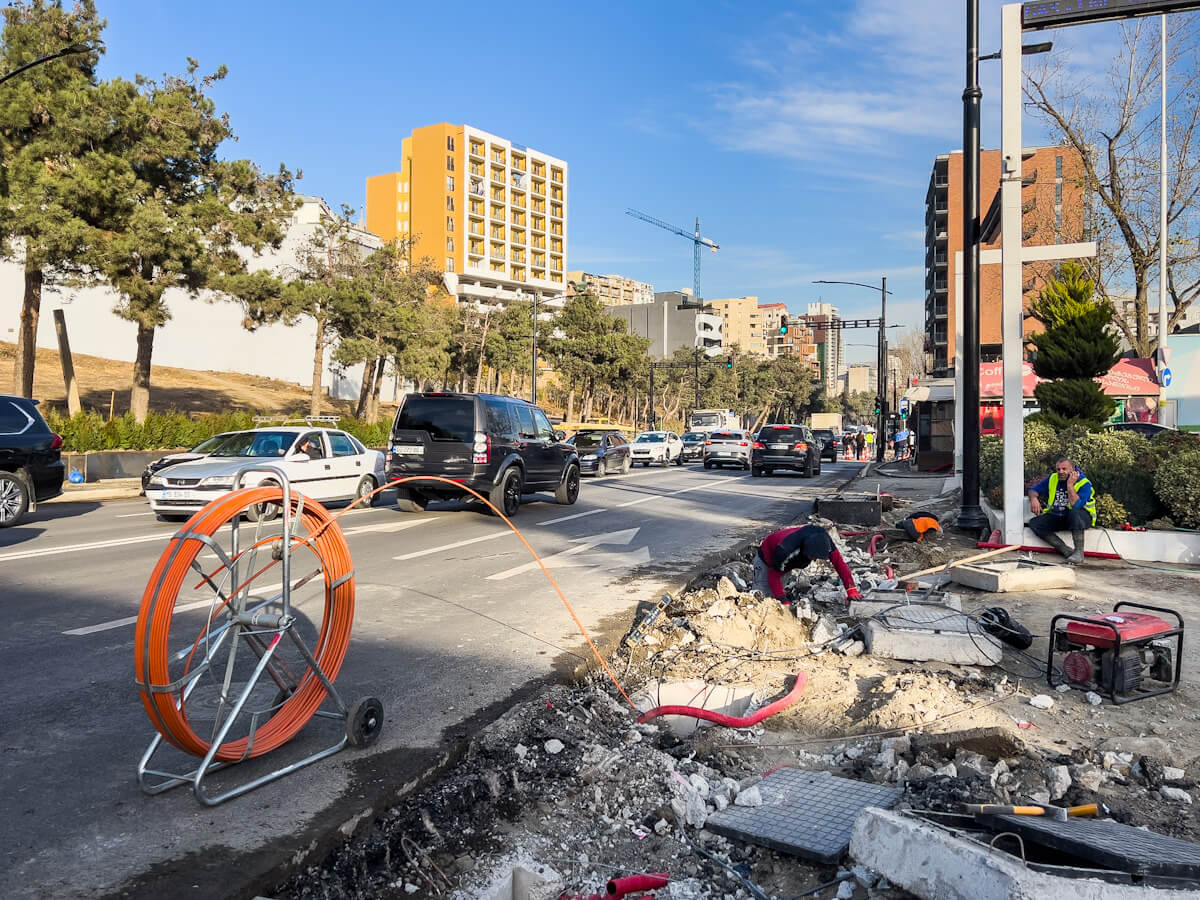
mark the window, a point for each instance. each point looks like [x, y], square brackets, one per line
[13, 419]
[450, 204]
[499, 421]
[450, 143]
[449, 163]
[449, 223]
[545, 431]
[1058, 167]
[449, 263]
[449, 245]
[449, 182]
[1058, 193]
[526, 427]
[342, 445]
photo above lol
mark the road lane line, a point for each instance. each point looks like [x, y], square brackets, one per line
[694, 487]
[95, 545]
[590, 512]
[129, 620]
[132, 515]
[388, 526]
[475, 540]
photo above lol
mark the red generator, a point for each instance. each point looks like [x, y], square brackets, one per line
[1124, 656]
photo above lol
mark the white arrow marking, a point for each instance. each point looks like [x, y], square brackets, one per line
[561, 560]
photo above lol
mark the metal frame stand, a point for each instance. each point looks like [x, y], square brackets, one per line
[262, 632]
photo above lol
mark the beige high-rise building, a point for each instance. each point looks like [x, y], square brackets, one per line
[798, 341]
[612, 290]
[742, 324]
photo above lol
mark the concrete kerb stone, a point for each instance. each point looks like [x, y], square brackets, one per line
[1014, 575]
[935, 864]
[923, 633]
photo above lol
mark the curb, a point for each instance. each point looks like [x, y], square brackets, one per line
[121, 490]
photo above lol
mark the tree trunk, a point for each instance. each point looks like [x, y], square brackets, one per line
[571, 404]
[364, 389]
[31, 306]
[314, 400]
[373, 406]
[139, 394]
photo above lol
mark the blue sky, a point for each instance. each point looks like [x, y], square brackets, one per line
[801, 133]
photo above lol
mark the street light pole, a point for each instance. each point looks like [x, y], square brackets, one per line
[66, 51]
[970, 516]
[533, 373]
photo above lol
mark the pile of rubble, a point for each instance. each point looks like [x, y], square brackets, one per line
[569, 789]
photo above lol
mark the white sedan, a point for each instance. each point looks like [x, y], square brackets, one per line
[664, 447]
[324, 464]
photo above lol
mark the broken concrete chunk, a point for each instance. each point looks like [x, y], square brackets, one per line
[1178, 794]
[1041, 701]
[662, 828]
[1170, 773]
[749, 797]
[886, 758]
[845, 890]
[521, 750]
[1088, 776]
[722, 609]
[699, 784]
[726, 588]
[554, 746]
[919, 772]
[971, 764]
[1093, 698]
[948, 769]
[825, 630]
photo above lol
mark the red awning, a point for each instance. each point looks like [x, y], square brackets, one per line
[1128, 378]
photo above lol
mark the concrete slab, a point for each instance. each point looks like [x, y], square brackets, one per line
[1014, 575]
[730, 699]
[878, 601]
[922, 633]
[806, 814]
[936, 864]
[862, 509]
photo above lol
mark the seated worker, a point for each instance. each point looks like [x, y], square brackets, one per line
[1072, 505]
[795, 548]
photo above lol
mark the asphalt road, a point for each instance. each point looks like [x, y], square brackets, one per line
[452, 621]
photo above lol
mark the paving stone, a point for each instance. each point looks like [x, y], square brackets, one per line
[1014, 575]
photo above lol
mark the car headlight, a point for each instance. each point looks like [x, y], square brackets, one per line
[158, 481]
[590, 456]
[218, 481]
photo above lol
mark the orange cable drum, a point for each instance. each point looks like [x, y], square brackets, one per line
[152, 652]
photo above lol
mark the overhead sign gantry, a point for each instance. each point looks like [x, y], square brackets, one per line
[1053, 13]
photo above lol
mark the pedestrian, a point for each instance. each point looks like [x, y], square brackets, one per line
[900, 444]
[1072, 505]
[860, 442]
[794, 548]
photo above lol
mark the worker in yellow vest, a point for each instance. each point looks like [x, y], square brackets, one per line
[1072, 505]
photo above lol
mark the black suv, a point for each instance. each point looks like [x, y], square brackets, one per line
[786, 447]
[829, 443]
[31, 466]
[498, 446]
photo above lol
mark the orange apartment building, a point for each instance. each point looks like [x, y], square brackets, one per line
[492, 213]
[1053, 213]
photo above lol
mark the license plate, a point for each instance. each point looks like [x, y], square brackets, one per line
[722, 453]
[409, 451]
[177, 495]
[779, 446]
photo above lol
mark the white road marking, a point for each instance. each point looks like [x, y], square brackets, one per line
[77, 548]
[475, 540]
[132, 515]
[590, 512]
[694, 487]
[559, 560]
[182, 607]
[388, 526]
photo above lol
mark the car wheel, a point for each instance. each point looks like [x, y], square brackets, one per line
[263, 512]
[506, 495]
[170, 517]
[568, 488]
[14, 499]
[366, 484]
[756, 471]
[808, 470]
[410, 501]
[601, 468]
[646, 464]
[679, 459]
[768, 472]
[818, 467]
[626, 465]
[707, 464]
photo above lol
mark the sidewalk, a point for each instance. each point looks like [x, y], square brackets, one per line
[110, 489]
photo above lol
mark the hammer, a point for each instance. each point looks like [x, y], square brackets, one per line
[1057, 813]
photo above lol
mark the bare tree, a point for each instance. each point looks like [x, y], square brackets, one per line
[1115, 126]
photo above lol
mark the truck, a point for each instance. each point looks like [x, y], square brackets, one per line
[832, 421]
[709, 420]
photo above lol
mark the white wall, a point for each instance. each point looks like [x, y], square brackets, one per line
[202, 334]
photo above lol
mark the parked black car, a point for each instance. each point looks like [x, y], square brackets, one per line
[786, 447]
[830, 445]
[602, 452]
[31, 466]
[500, 447]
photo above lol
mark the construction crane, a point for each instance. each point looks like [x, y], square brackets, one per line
[694, 237]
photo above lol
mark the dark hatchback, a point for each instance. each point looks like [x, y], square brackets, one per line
[830, 445]
[31, 466]
[602, 452]
[500, 447]
[791, 447]
[693, 445]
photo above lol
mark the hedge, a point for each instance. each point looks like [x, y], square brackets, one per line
[88, 432]
[1126, 470]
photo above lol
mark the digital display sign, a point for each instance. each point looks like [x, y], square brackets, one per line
[1053, 13]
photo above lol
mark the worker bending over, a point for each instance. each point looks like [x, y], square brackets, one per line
[794, 548]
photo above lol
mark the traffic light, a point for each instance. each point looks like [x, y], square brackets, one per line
[729, 362]
[783, 324]
[878, 406]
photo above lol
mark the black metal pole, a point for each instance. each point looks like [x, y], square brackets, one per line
[970, 516]
[881, 374]
[68, 51]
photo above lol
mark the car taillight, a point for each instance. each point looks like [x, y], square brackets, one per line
[482, 448]
[758, 445]
[708, 443]
[801, 446]
[55, 441]
[743, 444]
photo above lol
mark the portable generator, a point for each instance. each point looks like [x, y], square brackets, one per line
[1122, 655]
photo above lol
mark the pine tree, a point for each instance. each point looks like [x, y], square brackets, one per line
[1077, 346]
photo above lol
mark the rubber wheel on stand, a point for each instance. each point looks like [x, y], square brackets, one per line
[364, 722]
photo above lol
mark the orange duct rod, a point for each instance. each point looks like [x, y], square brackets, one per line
[159, 691]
